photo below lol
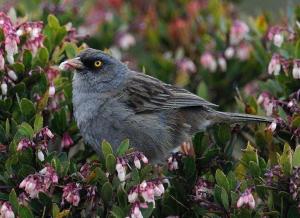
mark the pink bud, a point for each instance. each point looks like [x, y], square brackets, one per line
[41, 155]
[137, 162]
[144, 159]
[229, 52]
[51, 90]
[278, 39]
[126, 40]
[12, 75]
[66, 141]
[4, 88]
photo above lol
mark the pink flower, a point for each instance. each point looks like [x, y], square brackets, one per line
[50, 176]
[71, 193]
[121, 169]
[238, 31]
[296, 69]
[222, 63]
[6, 211]
[172, 163]
[201, 190]
[243, 51]
[2, 61]
[229, 52]
[41, 155]
[137, 162]
[275, 34]
[11, 48]
[246, 199]
[136, 212]
[66, 141]
[34, 32]
[39, 182]
[85, 170]
[147, 192]
[12, 75]
[133, 195]
[32, 185]
[208, 62]
[186, 65]
[25, 143]
[272, 126]
[4, 88]
[126, 40]
[274, 65]
[51, 90]
[52, 73]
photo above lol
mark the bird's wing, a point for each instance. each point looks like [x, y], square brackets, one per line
[144, 93]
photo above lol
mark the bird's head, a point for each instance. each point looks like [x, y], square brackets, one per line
[95, 66]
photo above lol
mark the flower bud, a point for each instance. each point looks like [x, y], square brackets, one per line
[12, 75]
[278, 39]
[41, 155]
[51, 90]
[4, 88]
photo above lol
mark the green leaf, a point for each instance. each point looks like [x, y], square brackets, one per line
[297, 49]
[27, 107]
[296, 157]
[296, 122]
[285, 159]
[147, 211]
[254, 169]
[53, 21]
[110, 163]
[55, 210]
[117, 212]
[222, 180]
[70, 49]
[27, 59]
[38, 123]
[106, 192]
[13, 200]
[121, 150]
[122, 196]
[106, 148]
[202, 90]
[25, 212]
[18, 68]
[43, 56]
[24, 131]
[224, 197]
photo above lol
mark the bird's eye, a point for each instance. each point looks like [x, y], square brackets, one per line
[97, 63]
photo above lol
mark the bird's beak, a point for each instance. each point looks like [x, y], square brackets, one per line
[71, 64]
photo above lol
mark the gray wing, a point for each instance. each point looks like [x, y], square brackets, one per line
[144, 93]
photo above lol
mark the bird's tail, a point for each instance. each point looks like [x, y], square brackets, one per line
[228, 117]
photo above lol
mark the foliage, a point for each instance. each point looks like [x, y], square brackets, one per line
[237, 171]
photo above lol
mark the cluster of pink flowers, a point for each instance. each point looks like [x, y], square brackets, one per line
[173, 161]
[238, 32]
[278, 62]
[275, 173]
[238, 48]
[147, 191]
[33, 31]
[125, 40]
[39, 142]
[6, 211]
[276, 34]
[202, 190]
[186, 65]
[122, 162]
[12, 33]
[39, 182]
[71, 193]
[246, 199]
[290, 106]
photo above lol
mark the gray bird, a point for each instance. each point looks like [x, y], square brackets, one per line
[114, 103]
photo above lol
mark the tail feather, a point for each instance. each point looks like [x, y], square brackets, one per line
[237, 117]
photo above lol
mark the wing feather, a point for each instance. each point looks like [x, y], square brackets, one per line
[144, 93]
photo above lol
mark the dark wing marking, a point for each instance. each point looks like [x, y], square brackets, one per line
[144, 93]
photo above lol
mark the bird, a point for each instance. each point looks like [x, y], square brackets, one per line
[113, 103]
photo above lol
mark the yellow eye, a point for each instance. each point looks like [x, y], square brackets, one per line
[97, 63]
